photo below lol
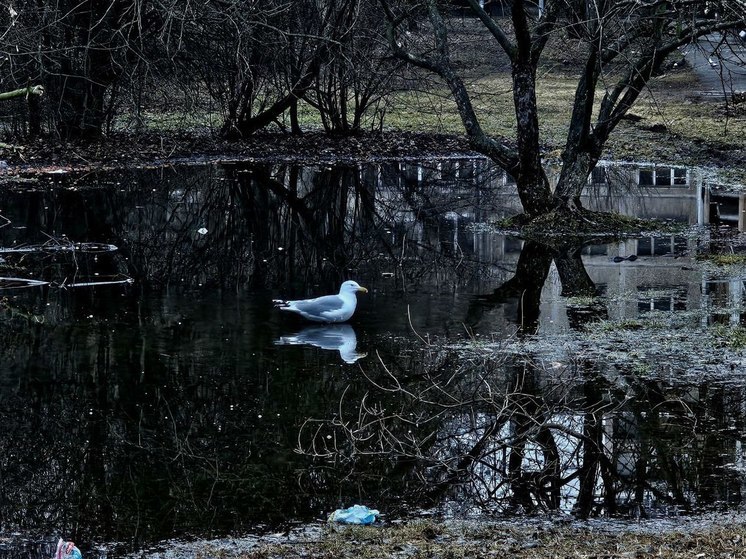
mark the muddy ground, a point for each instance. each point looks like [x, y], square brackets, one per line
[124, 150]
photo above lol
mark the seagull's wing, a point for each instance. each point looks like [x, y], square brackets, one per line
[319, 306]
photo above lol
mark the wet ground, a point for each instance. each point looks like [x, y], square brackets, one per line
[717, 63]
[705, 536]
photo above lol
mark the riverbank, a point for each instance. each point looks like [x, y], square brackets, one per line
[672, 124]
[715, 535]
[178, 147]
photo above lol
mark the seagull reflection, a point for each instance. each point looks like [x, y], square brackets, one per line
[334, 336]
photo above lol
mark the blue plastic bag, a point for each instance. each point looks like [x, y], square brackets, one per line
[67, 550]
[356, 514]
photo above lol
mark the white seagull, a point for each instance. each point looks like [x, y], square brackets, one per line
[329, 308]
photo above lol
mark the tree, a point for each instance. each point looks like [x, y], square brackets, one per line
[624, 44]
[356, 75]
[78, 50]
[259, 59]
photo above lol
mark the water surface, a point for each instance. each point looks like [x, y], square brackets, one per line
[148, 389]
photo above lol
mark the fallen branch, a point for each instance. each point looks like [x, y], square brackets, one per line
[24, 91]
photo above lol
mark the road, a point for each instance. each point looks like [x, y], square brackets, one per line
[721, 71]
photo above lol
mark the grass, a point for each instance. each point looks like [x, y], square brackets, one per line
[726, 259]
[672, 125]
[730, 336]
[697, 132]
[539, 540]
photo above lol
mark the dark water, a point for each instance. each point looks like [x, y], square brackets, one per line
[148, 389]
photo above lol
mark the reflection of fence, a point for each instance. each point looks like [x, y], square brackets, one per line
[728, 208]
[725, 299]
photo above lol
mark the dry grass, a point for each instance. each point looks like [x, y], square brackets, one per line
[535, 540]
[673, 126]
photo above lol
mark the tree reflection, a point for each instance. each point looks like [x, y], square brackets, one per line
[524, 288]
[123, 424]
[519, 434]
[130, 415]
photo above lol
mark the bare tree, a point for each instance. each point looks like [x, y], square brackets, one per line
[356, 75]
[78, 50]
[260, 59]
[624, 44]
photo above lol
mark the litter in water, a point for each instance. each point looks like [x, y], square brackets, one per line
[356, 514]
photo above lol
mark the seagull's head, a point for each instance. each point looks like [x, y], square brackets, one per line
[352, 287]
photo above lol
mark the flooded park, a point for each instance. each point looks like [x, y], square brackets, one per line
[149, 390]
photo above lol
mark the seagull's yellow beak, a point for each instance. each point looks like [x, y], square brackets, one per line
[362, 290]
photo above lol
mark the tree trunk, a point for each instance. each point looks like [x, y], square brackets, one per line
[592, 448]
[246, 125]
[81, 109]
[582, 148]
[576, 166]
[531, 180]
[294, 123]
[88, 70]
[34, 116]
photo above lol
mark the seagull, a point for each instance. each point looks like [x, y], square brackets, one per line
[329, 308]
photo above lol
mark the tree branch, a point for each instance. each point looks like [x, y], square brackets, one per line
[24, 91]
[497, 32]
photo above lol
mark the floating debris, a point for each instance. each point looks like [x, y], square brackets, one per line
[20, 283]
[62, 247]
[67, 550]
[118, 279]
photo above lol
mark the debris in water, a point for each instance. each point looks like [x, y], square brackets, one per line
[17, 283]
[53, 246]
[118, 279]
[631, 258]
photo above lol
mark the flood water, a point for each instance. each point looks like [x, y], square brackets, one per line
[149, 390]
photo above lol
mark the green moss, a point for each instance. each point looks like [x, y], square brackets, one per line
[579, 223]
[730, 336]
[723, 259]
